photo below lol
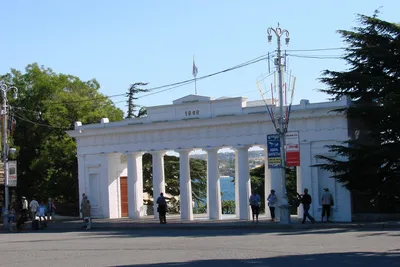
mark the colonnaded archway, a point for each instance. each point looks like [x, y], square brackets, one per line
[199, 122]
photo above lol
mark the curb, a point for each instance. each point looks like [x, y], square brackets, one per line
[77, 227]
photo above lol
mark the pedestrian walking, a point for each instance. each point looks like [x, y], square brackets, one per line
[51, 209]
[24, 208]
[33, 205]
[86, 213]
[272, 200]
[11, 217]
[41, 213]
[327, 203]
[254, 201]
[306, 200]
[162, 208]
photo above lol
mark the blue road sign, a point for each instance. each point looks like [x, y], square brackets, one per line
[274, 150]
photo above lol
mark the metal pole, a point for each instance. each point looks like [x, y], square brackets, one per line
[195, 86]
[282, 125]
[4, 89]
[5, 160]
[284, 205]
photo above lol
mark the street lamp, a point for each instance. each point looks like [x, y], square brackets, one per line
[285, 214]
[4, 90]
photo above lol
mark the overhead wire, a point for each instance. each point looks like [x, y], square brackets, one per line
[38, 123]
[316, 49]
[168, 87]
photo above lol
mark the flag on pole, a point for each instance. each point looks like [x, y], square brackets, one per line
[194, 69]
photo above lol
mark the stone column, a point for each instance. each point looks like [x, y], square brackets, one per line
[185, 185]
[236, 185]
[244, 186]
[135, 184]
[304, 176]
[272, 181]
[213, 186]
[158, 178]
[81, 177]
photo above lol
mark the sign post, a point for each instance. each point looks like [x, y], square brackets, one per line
[292, 149]
[12, 173]
[274, 151]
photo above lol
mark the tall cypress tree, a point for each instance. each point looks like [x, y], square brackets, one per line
[370, 161]
[132, 92]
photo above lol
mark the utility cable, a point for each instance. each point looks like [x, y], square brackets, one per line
[168, 86]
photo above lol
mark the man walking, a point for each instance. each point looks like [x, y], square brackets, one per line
[327, 203]
[24, 208]
[162, 208]
[34, 205]
[306, 200]
[255, 204]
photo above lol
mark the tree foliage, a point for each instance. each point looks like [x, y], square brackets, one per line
[50, 103]
[369, 162]
[258, 182]
[198, 174]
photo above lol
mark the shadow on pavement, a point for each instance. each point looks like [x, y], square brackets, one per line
[312, 260]
[160, 231]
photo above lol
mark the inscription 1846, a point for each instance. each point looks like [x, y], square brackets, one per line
[192, 113]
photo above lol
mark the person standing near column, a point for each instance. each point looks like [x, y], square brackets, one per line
[255, 204]
[24, 208]
[306, 200]
[272, 200]
[162, 208]
[327, 202]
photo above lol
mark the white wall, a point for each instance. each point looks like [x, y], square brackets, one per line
[103, 144]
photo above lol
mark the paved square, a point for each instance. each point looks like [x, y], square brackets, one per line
[184, 248]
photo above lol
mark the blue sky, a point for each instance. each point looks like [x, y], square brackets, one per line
[122, 42]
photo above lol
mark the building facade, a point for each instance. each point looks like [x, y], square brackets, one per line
[115, 186]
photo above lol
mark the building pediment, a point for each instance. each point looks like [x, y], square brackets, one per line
[191, 99]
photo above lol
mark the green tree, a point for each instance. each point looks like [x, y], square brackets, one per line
[131, 94]
[369, 161]
[257, 176]
[198, 173]
[50, 103]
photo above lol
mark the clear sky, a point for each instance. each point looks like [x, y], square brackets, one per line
[121, 42]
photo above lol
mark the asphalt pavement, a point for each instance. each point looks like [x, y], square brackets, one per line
[188, 247]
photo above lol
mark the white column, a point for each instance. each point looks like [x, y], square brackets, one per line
[244, 186]
[185, 185]
[81, 177]
[135, 184]
[272, 182]
[213, 187]
[304, 175]
[267, 182]
[236, 185]
[158, 178]
[299, 189]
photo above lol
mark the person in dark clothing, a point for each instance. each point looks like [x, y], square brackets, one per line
[162, 208]
[306, 200]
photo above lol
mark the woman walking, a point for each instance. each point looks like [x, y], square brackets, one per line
[272, 199]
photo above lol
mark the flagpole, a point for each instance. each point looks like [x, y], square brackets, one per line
[195, 86]
[195, 76]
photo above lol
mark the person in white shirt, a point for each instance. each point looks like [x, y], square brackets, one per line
[272, 200]
[255, 204]
[34, 205]
[24, 207]
[327, 203]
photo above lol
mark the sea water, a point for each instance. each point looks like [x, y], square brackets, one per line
[227, 188]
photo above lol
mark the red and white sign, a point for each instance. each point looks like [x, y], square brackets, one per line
[292, 149]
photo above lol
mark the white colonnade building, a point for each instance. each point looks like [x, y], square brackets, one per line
[115, 187]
